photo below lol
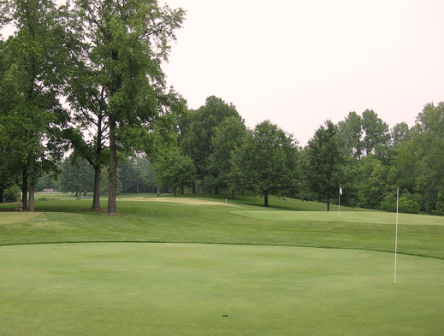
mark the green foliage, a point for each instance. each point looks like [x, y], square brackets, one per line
[123, 45]
[176, 170]
[12, 194]
[350, 135]
[137, 175]
[76, 176]
[266, 163]
[376, 131]
[227, 137]
[199, 130]
[325, 163]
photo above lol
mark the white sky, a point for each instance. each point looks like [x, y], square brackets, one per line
[299, 63]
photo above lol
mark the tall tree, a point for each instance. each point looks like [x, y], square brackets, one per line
[35, 54]
[266, 163]
[201, 127]
[176, 170]
[350, 135]
[325, 161]
[76, 175]
[227, 137]
[125, 43]
[400, 133]
[428, 139]
[376, 132]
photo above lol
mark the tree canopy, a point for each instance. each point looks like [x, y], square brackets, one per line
[266, 163]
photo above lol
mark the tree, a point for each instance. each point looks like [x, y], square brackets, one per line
[428, 140]
[125, 43]
[266, 163]
[350, 135]
[400, 133]
[227, 137]
[325, 162]
[376, 132]
[137, 175]
[76, 176]
[176, 170]
[34, 55]
[196, 141]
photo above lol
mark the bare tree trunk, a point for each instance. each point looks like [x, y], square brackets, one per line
[232, 194]
[96, 196]
[31, 182]
[328, 205]
[112, 193]
[2, 196]
[174, 191]
[266, 201]
[182, 191]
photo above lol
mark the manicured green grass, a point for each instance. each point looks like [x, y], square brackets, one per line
[208, 219]
[261, 267]
[188, 289]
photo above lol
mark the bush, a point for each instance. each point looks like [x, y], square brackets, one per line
[12, 194]
[407, 204]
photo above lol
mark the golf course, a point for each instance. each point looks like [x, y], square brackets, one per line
[209, 265]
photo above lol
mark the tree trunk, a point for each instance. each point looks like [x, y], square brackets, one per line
[2, 196]
[266, 201]
[194, 188]
[232, 194]
[31, 182]
[96, 196]
[174, 191]
[182, 191]
[112, 193]
[25, 189]
[328, 205]
[216, 191]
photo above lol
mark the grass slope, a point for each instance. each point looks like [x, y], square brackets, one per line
[209, 219]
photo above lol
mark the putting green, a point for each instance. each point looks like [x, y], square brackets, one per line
[191, 289]
[346, 216]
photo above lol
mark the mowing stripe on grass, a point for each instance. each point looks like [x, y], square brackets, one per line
[350, 216]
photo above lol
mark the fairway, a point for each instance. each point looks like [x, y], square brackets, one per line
[345, 216]
[198, 289]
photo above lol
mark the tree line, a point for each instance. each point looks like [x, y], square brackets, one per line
[85, 78]
[360, 155]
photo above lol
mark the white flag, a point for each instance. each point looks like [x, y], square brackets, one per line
[340, 190]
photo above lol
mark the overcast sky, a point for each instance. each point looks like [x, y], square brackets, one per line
[299, 63]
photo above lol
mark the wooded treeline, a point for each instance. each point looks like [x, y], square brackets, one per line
[86, 79]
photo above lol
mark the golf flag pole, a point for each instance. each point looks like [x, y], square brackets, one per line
[340, 193]
[396, 237]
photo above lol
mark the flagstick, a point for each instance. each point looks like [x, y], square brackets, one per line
[396, 237]
[339, 211]
[340, 193]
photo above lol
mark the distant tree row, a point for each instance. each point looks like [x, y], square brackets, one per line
[360, 155]
[76, 175]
